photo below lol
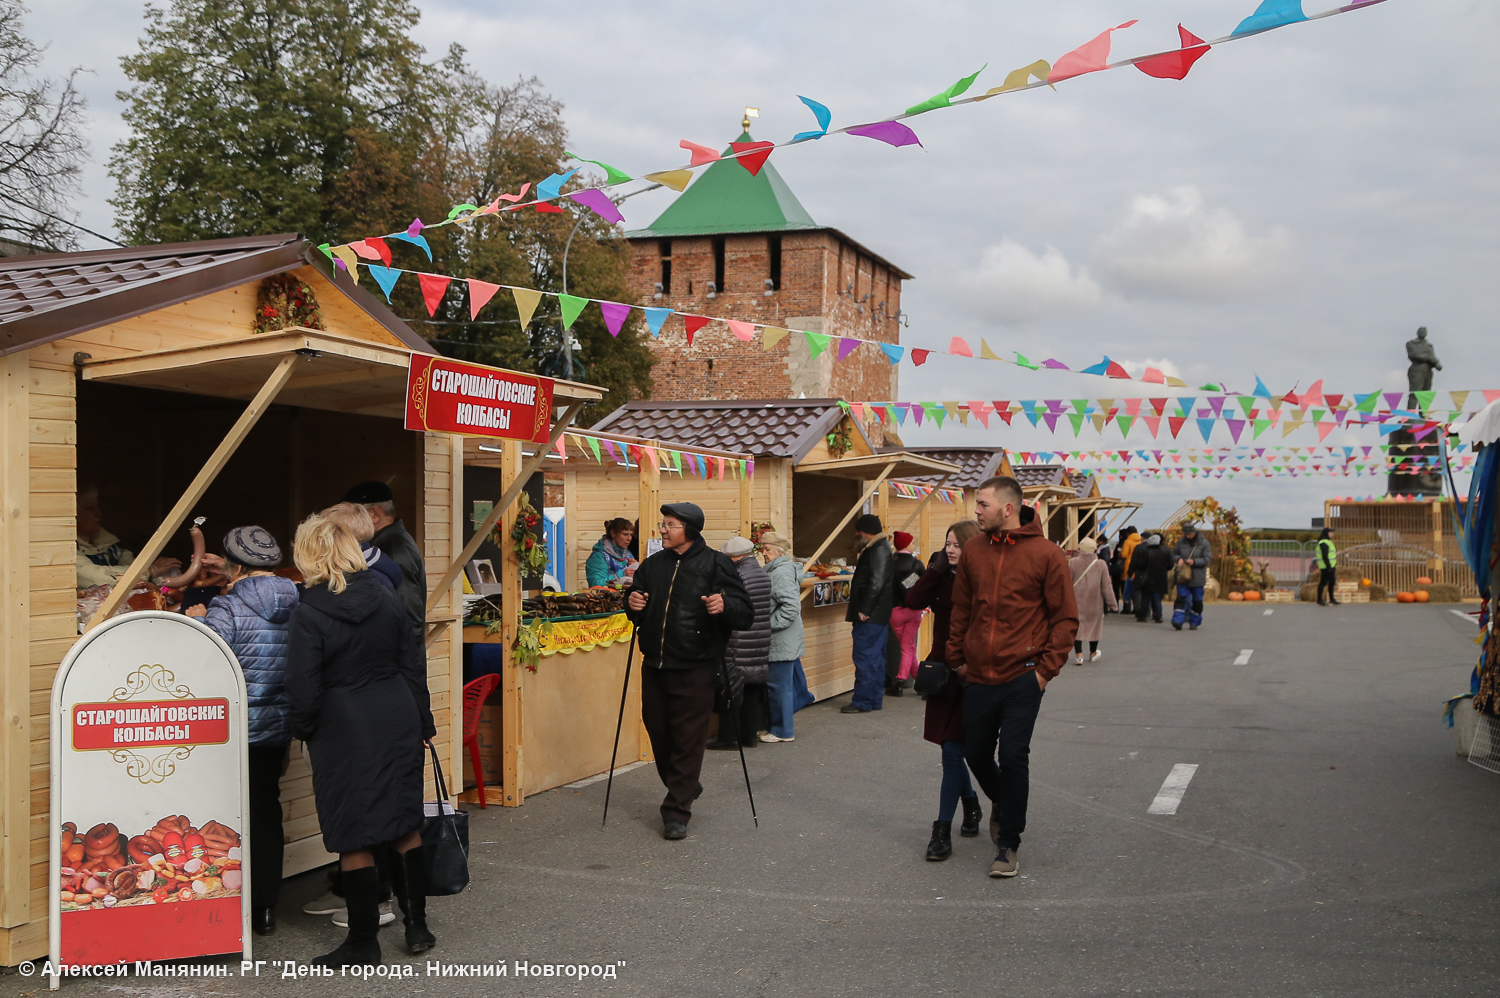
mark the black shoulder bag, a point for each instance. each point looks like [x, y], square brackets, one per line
[445, 840]
[932, 679]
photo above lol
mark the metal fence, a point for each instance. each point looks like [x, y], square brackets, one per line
[1289, 562]
[1392, 564]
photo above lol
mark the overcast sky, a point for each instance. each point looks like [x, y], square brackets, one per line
[1294, 209]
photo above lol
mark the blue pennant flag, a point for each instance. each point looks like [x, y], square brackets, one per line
[655, 317]
[1271, 14]
[549, 188]
[414, 240]
[820, 112]
[386, 277]
[893, 352]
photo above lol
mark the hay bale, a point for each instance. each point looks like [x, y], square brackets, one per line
[1442, 592]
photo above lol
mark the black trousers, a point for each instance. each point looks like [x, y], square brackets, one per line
[675, 707]
[747, 715]
[267, 842]
[998, 721]
[1327, 579]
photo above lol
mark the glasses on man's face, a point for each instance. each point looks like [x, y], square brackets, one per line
[665, 525]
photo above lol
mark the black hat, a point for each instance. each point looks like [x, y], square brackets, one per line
[690, 515]
[369, 493]
[253, 547]
[868, 524]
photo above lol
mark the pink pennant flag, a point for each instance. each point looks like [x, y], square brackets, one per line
[1133, 407]
[1314, 395]
[858, 408]
[1324, 429]
[1090, 57]
[960, 347]
[513, 198]
[982, 411]
[480, 293]
[615, 315]
[1154, 376]
[655, 460]
[562, 448]
[1153, 423]
[363, 250]
[847, 345]
[742, 330]
[720, 460]
[1490, 394]
[433, 289]
[701, 155]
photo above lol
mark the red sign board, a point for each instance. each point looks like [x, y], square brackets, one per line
[144, 723]
[449, 396]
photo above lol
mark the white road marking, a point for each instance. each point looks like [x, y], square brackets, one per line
[1466, 615]
[1172, 789]
[1268, 613]
[1244, 658]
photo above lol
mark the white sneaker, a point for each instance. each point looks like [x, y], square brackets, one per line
[1095, 657]
[1080, 658]
[328, 904]
[769, 738]
[387, 914]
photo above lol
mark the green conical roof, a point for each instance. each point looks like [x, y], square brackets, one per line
[725, 199]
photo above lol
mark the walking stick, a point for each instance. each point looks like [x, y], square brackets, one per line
[724, 664]
[620, 723]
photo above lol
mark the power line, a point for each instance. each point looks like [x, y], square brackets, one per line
[56, 218]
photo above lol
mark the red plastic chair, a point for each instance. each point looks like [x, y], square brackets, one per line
[475, 694]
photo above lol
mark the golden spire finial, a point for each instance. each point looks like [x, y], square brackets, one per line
[750, 112]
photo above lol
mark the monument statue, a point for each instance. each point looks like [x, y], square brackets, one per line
[1403, 443]
[1424, 360]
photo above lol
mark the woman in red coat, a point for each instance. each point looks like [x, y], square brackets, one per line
[944, 724]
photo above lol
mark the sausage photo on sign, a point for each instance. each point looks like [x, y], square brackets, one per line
[170, 862]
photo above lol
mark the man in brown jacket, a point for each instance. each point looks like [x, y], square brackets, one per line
[1014, 620]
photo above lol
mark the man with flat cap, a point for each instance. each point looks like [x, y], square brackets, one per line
[871, 597]
[684, 601]
[392, 540]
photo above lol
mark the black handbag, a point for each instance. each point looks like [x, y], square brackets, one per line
[445, 840]
[932, 679]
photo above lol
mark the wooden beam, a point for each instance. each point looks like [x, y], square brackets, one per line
[15, 641]
[747, 503]
[512, 490]
[869, 491]
[512, 693]
[199, 485]
[648, 512]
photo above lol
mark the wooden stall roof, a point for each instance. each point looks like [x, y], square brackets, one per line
[478, 452]
[902, 464]
[975, 464]
[789, 428]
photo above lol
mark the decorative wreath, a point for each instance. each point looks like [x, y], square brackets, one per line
[285, 302]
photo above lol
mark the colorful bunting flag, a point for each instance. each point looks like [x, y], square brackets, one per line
[571, 307]
[1175, 65]
[824, 116]
[892, 133]
[615, 315]
[1090, 57]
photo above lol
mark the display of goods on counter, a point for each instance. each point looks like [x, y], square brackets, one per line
[827, 571]
[482, 609]
[600, 599]
[143, 596]
[171, 861]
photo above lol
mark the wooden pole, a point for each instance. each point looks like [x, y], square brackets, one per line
[195, 490]
[15, 640]
[512, 714]
[747, 503]
[845, 521]
[648, 510]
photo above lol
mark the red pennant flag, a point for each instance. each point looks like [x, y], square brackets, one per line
[753, 161]
[378, 245]
[547, 208]
[1004, 414]
[433, 289]
[919, 357]
[480, 293]
[1175, 422]
[1175, 65]
[1114, 370]
[693, 324]
[1159, 405]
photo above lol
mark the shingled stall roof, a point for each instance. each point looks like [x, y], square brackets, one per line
[727, 200]
[1082, 482]
[52, 296]
[1034, 475]
[763, 427]
[976, 464]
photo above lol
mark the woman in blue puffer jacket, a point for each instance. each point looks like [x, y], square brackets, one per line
[253, 617]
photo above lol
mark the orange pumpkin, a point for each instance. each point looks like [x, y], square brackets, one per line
[1422, 596]
[1405, 598]
[1364, 582]
[1253, 595]
[1423, 580]
[1236, 597]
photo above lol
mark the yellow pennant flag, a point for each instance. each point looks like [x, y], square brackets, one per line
[1459, 399]
[675, 179]
[952, 408]
[772, 336]
[1176, 382]
[351, 261]
[526, 303]
[1098, 422]
[986, 353]
[1019, 78]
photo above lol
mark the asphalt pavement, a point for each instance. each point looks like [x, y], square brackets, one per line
[1328, 843]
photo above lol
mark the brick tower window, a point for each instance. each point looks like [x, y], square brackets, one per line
[719, 264]
[664, 250]
[773, 254]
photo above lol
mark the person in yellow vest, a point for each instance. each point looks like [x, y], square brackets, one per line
[1328, 563]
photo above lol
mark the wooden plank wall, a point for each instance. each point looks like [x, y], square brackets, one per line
[442, 540]
[829, 659]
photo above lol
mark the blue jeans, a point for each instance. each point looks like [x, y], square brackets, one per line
[803, 696]
[869, 664]
[955, 780]
[1189, 605]
[781, 692]
[1126, 593]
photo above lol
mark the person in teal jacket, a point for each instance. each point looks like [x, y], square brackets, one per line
[611, 558]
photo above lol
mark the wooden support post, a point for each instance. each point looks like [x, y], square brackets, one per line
[205, 477]
[648, 509]
[512, 731]
[883, 506]
[747, 503]
[924, 528]
[15, 641]
[1072, 525]
[833, 535]
[779, 469]
[1435, 563]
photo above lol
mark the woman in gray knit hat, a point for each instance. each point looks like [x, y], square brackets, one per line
[253, 616]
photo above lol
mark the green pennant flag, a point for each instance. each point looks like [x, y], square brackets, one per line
[1366, 403]
[1247, 402]
[1079, 404]
[1317, 415]
[816, 343]
[1424, 399]
[935, 412]
[1023, 362]
[1210, 387]
[571, 307]
[1126, 422]
[890, 416]
[742, 468]
[1260, 427]
[593, 443]
[945, 98]
[327, 250]
[676, 458]
[611, 175]
[1076, 418]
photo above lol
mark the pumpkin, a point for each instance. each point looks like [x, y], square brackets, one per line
[1364, 582]
[1423, 580]
[1405, 598]
[1421, 596]
[1236, 597]
[1253, 595]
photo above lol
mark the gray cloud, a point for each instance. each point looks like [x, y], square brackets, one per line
[1014, 285]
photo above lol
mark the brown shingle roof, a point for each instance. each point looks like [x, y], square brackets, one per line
[1030, 475]
[1082, 482]
[978, 463]
[50, 296]
[763, 427]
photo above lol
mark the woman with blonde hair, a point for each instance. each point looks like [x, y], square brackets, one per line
[356, 519]
[357, 687]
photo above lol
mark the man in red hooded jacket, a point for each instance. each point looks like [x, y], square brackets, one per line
[1014, 620]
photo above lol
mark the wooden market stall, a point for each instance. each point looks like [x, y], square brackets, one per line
[129, 371]
[555, 725]
[956, 500]
[815, 470]
[1070, 503]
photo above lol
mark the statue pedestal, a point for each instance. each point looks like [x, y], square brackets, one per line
[1425, 483]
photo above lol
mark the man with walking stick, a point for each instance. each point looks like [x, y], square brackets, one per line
[684, 601]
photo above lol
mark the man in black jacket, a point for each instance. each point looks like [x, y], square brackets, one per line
[684, 601]
[870, 599]
[392, 540]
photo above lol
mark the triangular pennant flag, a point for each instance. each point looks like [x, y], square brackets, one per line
[379, 248]
[349, 259]
[615, 315]
[753, 155]
[892, 133]
[959, 347]
[742, 330]
[1175, 65]
[1090, 57]
[981, 410]
[1020, 79]
[847, 345]
[945, 98]
[1460, 399]
[1098, 368]
[552, 186]
[821, 113]
[385, 277]
[1077, 420]
[675, 179]
[701, 154]
[612, 176]
[572, 306]
[1324, 429]
[816, 342]
[480, 293]
[418, 241]
[1175, 422]
[893, 353]
[1425, 400]
[1023, 362]
[693, 323]
[526, 303]
[986, 353]
[593, 443]
[1205, 427]
[772, 335]
[919, 357]
[1271, 14]
[434, 287]
[1236, 426]
[655, 317]
[599, 203]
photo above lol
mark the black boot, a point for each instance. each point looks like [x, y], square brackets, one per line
[362, 945]
[409, 882]
[941, 846]
[972, 813]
